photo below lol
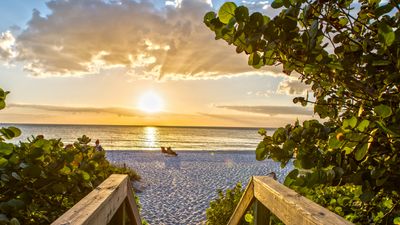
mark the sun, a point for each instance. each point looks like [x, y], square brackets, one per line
[150, 102]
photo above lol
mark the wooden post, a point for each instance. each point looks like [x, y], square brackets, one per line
[119, 216]
[243, 205]
[261, 214]
[290, 207]
[106, 201]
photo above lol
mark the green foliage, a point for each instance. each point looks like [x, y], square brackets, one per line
[222, 208]
[42, 178]
[346, 201]
[349, 55]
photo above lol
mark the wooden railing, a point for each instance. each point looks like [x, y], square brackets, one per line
[271, 197]
[112, 202]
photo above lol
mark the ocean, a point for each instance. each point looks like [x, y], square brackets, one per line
[149, 137]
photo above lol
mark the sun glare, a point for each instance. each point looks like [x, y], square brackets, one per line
[150, 102]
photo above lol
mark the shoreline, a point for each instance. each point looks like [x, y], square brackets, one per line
[187, 151]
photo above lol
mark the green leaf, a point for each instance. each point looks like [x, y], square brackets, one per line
[383, 10]
[279, 136]
[386, 34]
[3, 162]
[208, 17]
[16, 131]
[226, 12]
[363, 125]
[262, 132]
[85, 175]
[396, 220]
[333, 142]
[343, 21]
[6, 148]
[388, 203]
[65, 170]
[361, 152]
[248, 217]
[383, 111]
[241, 14]
[351, 122]
[277, 4]
[261, 153]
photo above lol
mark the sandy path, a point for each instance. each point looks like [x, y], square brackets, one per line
[178, 189]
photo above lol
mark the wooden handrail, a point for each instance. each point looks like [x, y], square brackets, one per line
[112, 201]
[289, 206]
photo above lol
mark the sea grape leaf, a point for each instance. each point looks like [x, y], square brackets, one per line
[248, 217]
[261, 153]
[208, 17]
[386, 34]
[383, 111]
[277, 4]
[227, 12]
[351, 122]
[85, 175]
[361, 152]
[6, 148]
[363, 125]
[16, 131]
[3, 162]
[241, 14]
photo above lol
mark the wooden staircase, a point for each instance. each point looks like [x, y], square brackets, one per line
[113, 203]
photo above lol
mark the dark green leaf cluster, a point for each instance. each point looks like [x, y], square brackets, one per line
[42, 178]
[348, 52]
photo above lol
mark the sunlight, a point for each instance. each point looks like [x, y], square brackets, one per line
[150, 137]
[150, 102]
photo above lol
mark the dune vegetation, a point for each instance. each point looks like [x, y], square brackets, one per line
[348, 53]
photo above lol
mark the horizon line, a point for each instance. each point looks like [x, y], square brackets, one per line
[132, 125]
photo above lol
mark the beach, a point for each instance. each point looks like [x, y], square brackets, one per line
[177, 190]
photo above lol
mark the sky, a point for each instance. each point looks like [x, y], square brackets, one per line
[127, 62]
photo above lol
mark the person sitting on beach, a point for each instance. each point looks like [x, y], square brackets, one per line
[98, 146]
[170, 152]
[163, 150]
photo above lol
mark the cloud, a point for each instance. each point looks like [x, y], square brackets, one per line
[292, 86]
[148, 41]
[271, 110]
[266, 93]
[7, 43]
[68, 109]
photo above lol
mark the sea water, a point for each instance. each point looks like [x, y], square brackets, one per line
[149, 137]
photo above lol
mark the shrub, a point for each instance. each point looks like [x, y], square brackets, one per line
[348, 53]
[42, 178]
[222, 208]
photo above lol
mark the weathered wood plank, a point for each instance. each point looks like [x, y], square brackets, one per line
[243, 205]
[291, 207]
[133, 210]
[261, 214]
[100, 205]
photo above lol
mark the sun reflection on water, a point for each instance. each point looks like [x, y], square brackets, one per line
[151, 137]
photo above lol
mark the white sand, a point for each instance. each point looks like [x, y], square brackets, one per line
[178, 189]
